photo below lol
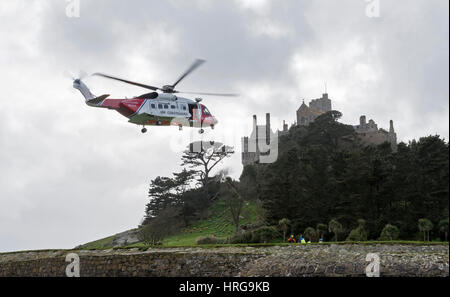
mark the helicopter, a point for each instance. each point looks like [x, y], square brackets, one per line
[163, 108]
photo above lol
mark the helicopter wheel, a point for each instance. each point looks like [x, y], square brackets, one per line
[201, 131]
[212, 127]
[180, 127]
[144, 130]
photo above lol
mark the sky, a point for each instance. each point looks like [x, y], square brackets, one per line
[70, 173]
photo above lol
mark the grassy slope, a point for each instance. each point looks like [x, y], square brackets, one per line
[98, 244]
[219, 223]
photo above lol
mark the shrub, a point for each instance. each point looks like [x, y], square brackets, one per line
[155, 229]
[210, 239]
[359, 233]
[261, 235]
[265, 234]
[310, 234]
[443, 227]
[335, 227]
[284, 225]
[150, 234]
[425, 226]
[245, 237]
[321, 229]
[389, 232]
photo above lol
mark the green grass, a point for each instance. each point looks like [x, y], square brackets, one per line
[98, 244]
[219, 224]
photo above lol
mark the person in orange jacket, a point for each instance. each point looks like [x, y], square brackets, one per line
[292, 239]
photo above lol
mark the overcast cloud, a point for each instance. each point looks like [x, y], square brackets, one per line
[70, 174]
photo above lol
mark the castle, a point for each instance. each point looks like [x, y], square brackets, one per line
[306, 115]
[368, 132]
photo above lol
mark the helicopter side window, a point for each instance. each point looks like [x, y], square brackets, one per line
[206, 111]
[184, 107]
[166, 106]
[172, 106]
[153, 106]
[160, 106]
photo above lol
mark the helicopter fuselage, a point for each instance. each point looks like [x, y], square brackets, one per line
[160, 110]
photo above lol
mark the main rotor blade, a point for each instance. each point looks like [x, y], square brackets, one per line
[81, 74]
[196, 64]
[128, 82]
[210, 94]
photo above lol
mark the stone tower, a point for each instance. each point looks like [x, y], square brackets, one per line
[307, 114]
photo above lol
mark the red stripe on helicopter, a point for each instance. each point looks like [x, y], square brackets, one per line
[126, 107]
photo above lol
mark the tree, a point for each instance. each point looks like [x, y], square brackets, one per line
[335, 227]
[181, 181]
[443, 227]
[249, 183]
[359, 233]
[321, 229]
[389, 232]
[425, 226]
[329, 132]
[284, 225]
[310, 234]
[161, 196]
[202, 157]
[323, 172]
[234, 201]
[166, 223]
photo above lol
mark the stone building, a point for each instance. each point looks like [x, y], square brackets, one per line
[368, 132]
[307, 114]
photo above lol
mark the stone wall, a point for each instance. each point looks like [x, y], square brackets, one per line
[294, 260]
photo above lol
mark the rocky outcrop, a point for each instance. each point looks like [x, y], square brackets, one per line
[125, 238]
[294, 260]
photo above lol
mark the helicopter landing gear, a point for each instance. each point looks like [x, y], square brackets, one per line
[212, 127]
[158, 123]
[201, 131]
[180, 127]
[143, 130]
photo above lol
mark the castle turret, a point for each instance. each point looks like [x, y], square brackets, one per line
[268, 128]
[362, 121]
[391, 127]
[255, 129]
